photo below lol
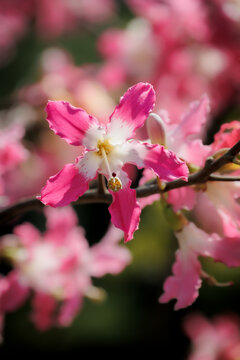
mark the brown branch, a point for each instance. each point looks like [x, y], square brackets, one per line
[101, 195]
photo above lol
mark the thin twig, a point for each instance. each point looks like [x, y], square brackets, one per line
[223, 178]
[101, 195]
[214, 282]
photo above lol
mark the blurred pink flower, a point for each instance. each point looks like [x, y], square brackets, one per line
[213, 340]
[12, 153]
[57, 266]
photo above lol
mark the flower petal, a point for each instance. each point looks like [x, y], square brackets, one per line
[107, 256]
[69, 122]
[195, 118]
[227, 250]
[12, 293]
[69, 310]
[227, 136]
[185, 282]
[44, 307]
[65, 187]
[28, 234]
[182, 198]
[193, 151]
[131, 113]
[163, 162]
[64, 219]
[125, 211]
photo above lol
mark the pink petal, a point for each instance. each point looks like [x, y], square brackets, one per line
[61, 227]
[165, 163]
[112, 236]
[227, 136]
[69, 122]
[64, 187]
[194, 119]
[60, 220]
[27, 234]
[185, 282]
[109, 259]
[12, 293]
[125, 211]
[107, 256]
[44, 307]
[69, 310]
[131, 113]
[182, 198]
[193, 151]
[11, 155]
[227, 250]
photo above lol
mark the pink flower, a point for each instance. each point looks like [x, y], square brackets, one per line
[58, 267]
[185, 139]
[107, 147]
[213, 340]
[185, 282]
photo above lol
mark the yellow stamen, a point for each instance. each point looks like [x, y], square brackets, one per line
[104, 146]
[114, 183]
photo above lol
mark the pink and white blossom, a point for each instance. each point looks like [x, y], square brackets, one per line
[57, 267]
[107, 148]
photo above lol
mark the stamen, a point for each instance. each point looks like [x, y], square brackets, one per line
[114, 183]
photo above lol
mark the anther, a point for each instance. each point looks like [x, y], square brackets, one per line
[114, 183]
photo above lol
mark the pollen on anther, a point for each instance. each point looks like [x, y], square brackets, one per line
[114, 183]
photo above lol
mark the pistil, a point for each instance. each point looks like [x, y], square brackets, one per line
[105, 159]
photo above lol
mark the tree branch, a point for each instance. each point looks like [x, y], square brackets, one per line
[100, 194]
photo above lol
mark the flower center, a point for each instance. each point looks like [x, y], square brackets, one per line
[104, 146]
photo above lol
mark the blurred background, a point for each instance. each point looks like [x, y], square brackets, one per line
[88, 52]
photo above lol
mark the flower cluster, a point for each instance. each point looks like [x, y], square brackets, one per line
[216, 236]
[154, 147]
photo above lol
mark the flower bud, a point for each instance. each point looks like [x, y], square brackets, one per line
[156, 129]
